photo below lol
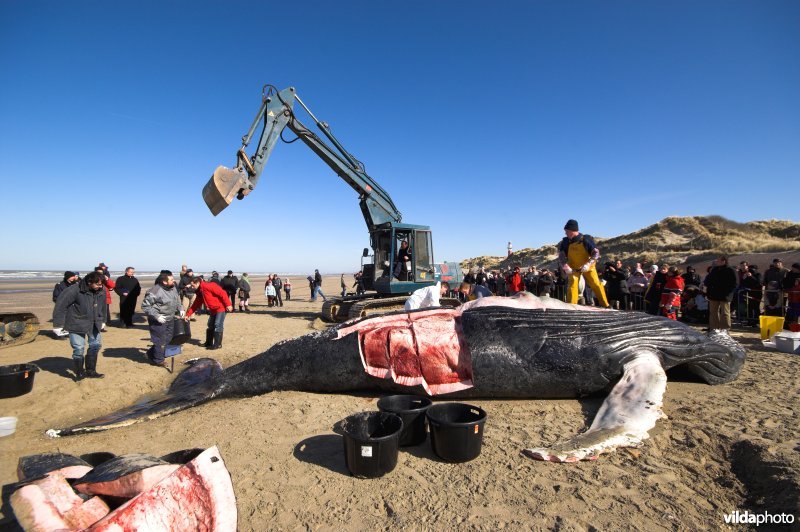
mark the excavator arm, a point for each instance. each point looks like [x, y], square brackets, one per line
[275, 114]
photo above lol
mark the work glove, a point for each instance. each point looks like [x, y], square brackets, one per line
[161, 319]
[59, 331]
[102, 326]
[566, 269]
[585, 267]
[183, 313]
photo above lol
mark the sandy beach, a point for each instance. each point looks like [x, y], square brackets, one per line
[722, 449]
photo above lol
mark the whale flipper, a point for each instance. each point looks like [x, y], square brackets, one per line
[631, 409]
[194, 385]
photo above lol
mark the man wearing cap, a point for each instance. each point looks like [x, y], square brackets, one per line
[577, 256]
[81, 312]
[70, 278]
[128, 289]
[230, 283]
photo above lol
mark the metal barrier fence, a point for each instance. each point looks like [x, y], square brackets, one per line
[746, 307]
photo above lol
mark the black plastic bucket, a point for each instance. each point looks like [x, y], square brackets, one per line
[411, 409]
[456, 431]
[371, 441]
[181, 332]
[17, 379]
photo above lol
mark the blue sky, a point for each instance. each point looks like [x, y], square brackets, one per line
[489, 122]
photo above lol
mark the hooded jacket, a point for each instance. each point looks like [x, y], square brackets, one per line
[60, 287]
[79, 309]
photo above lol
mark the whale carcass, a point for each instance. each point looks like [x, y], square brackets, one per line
[493, 347]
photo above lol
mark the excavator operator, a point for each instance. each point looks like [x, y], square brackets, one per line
[577, 256]
[403, 262]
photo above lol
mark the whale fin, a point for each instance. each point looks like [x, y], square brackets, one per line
[193, 386]
[631, 409]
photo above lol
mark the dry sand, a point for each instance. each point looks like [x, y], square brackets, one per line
[723, 448]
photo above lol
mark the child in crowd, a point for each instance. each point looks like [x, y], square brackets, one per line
[671, 296]
[287, 288]
[269, 291]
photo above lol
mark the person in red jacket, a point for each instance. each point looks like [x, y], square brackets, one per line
[515, 283]
[216, 300]
[108, 286]
[671, 296]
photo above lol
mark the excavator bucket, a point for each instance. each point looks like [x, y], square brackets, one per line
[18, 328]
[224, 185]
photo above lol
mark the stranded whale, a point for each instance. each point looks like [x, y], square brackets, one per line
[492, 347]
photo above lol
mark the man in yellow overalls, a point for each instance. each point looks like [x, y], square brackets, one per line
[577, 256]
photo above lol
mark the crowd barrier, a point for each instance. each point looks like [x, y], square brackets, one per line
[747, 306]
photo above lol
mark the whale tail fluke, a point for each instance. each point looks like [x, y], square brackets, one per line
[193, 386]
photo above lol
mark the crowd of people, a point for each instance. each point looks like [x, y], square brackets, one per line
[82, 309]
[82, 305]
[665, 290]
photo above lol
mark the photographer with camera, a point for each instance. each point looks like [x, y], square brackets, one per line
[617, 285]
[545, 283]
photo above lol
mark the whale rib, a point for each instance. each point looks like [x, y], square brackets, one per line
[629, 412]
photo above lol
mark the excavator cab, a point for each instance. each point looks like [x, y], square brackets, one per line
[393, 276]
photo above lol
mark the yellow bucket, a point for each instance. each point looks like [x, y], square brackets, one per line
[770, 325]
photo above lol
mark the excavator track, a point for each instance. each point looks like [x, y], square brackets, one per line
[370, 307]
[336, 310]
[361, 309]
[18, 328]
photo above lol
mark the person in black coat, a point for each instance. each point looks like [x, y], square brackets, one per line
[720, 284]
[230, 283]
[545, 283]
[81, 310]
[652, 295]
[750, 295]
[691, 277]
[128, 290]
[617, 284]
[70, 278]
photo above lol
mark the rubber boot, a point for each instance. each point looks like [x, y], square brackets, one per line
[91, 367]
[77, 368]
[209, 339]
[217, 340]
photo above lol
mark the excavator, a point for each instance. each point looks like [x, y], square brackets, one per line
[18, 328]
[387, 279]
